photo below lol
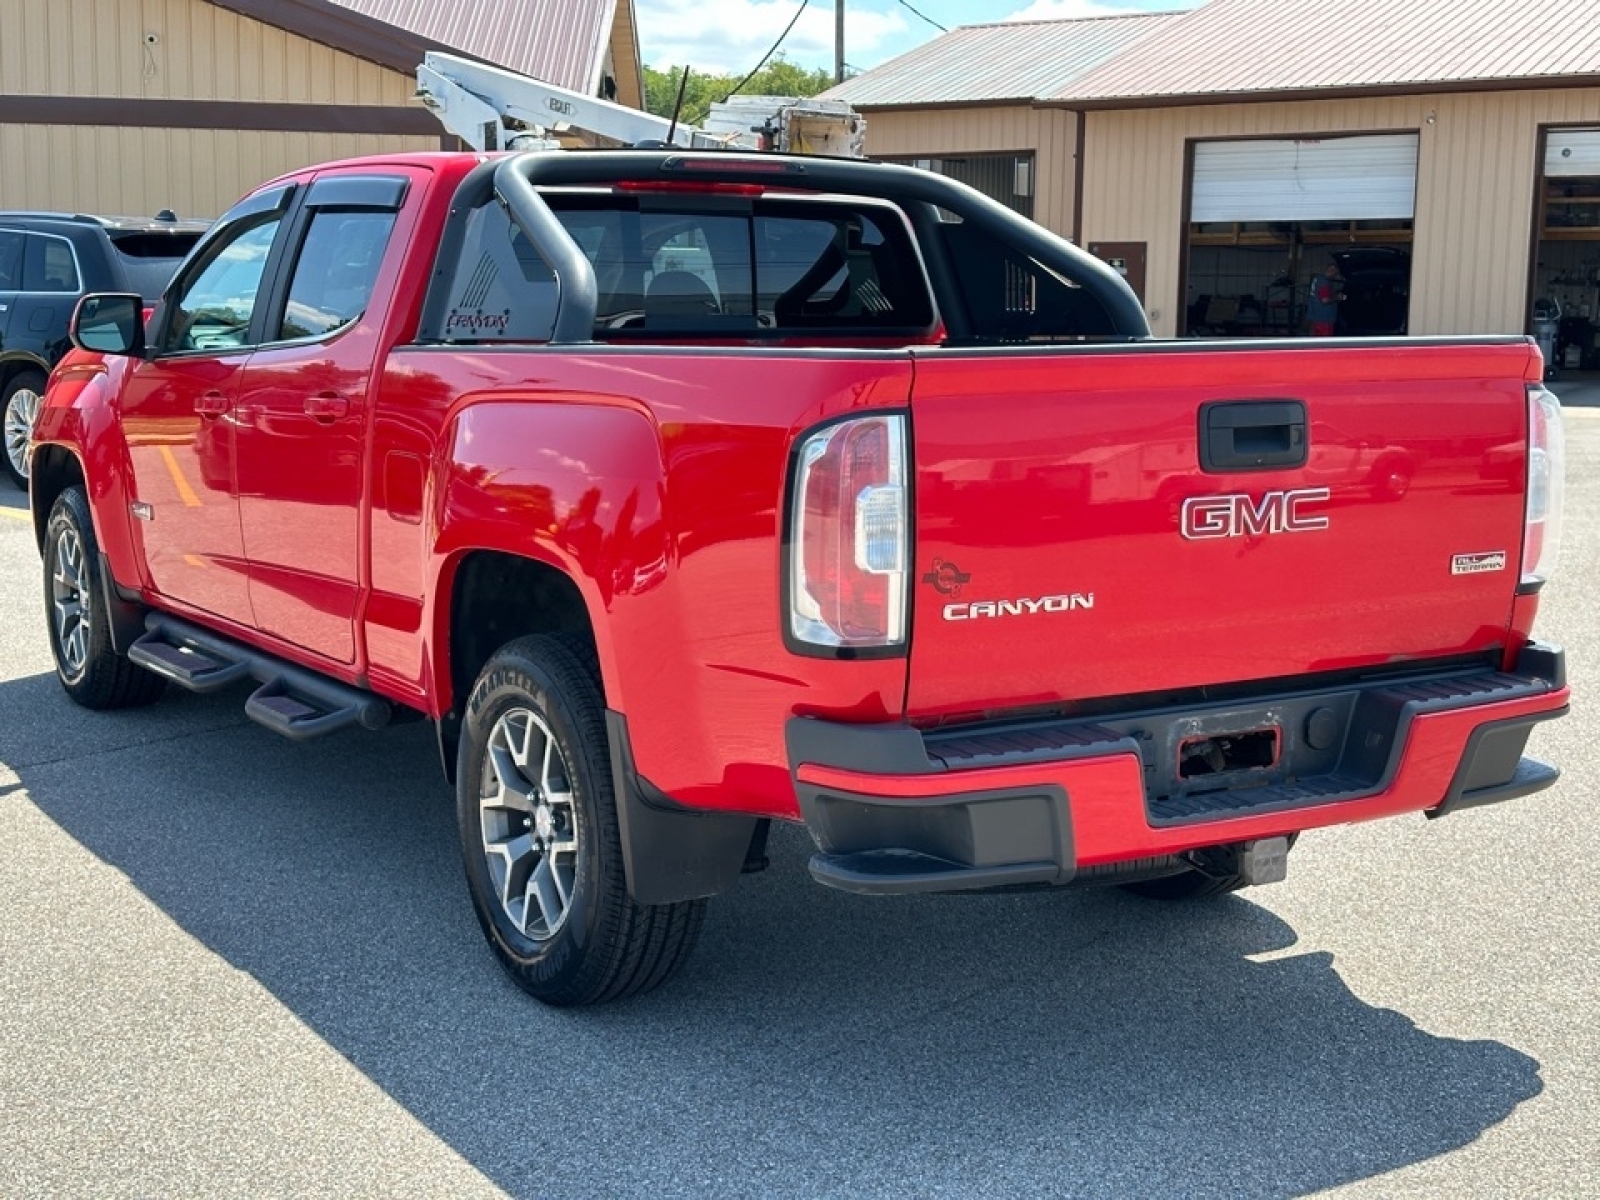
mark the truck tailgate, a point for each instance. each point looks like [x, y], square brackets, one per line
[1072, 544]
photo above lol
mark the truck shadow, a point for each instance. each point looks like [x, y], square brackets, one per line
[1078, 1043]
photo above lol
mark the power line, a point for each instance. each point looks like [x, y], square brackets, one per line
[924, 16]
[771, 52]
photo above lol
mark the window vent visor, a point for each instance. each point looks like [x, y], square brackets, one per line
[849, 543]
[1547, 470]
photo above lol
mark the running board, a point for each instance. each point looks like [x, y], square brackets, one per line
[293, 701]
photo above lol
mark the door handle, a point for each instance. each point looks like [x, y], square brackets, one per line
[212, 404]
[1252, 435]
[327, 406]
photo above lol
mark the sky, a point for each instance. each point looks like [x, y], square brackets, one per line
[730, 36]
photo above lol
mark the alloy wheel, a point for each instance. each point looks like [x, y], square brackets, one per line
[22, 410]
[70, 598]
[529, 823]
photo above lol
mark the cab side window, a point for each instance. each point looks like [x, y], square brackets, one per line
[212, 308]
[334, 273]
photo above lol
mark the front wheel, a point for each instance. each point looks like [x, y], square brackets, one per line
[20, 403]
[87, 663]
[539, 837]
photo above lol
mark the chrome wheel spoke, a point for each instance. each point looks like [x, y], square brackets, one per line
[78, 645]
[544, 891]
[512, 792]
[526, 809]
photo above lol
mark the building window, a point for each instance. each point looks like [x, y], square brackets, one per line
[1007, 178]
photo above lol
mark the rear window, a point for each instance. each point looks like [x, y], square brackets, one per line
[150, 260]
[681, 267]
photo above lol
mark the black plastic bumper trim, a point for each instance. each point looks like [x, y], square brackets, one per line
[967, 842]
[1493, 768]
[1344, 743]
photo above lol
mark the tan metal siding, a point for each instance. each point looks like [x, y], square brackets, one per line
[1474, 189]
[932, 133]
[196, 173]
[99, 48]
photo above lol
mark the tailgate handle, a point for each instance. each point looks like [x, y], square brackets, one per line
[1252, 435]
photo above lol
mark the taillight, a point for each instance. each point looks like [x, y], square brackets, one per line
[1547, 470]
[848, 536]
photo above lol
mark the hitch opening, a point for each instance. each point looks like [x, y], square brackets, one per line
[1254, 750]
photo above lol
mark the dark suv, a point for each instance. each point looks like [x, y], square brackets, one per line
[48, 260]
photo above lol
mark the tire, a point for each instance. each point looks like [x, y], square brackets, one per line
[19, 409]
[90, 669]
[537, 814]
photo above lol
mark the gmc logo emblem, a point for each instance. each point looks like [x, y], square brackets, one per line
[1245, 516]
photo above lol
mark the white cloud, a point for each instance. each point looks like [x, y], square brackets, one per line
[730, 36]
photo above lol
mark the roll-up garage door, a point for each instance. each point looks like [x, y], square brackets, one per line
[1572, 152]
[1331, 179]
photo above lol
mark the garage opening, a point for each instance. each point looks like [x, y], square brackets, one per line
[1007, 178]
[1565, 313]
[1268, 217]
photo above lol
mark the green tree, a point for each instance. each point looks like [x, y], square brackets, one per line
[780, 77]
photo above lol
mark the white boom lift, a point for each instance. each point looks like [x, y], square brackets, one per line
[494, 109]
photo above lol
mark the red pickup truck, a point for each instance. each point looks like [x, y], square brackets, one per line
[685, 492]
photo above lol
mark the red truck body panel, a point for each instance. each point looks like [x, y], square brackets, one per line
[1065, 473]
[655, 480]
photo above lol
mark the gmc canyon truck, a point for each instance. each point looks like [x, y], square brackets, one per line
[685, 492]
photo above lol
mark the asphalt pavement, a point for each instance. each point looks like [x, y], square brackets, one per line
[233, 966]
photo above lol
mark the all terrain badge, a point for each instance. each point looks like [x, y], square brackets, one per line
[1478, 564]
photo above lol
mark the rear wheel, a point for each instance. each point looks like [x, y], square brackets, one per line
[19, 402]
[88, 665]
[539, 836]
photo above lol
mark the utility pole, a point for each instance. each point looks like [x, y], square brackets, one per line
[838, 41]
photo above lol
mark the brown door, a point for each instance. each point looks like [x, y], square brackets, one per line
[1127, 258]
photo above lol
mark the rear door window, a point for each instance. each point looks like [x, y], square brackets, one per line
[334, 273]
[11, 260]
[726, 266]
[48, 265]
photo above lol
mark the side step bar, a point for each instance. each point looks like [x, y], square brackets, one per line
[293, 701]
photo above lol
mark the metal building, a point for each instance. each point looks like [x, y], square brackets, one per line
[131, 106]
[1443, 154]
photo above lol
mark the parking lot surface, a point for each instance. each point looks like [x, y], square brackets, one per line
[233, 966]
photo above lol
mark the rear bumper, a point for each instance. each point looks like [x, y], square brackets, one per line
[893, 809]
